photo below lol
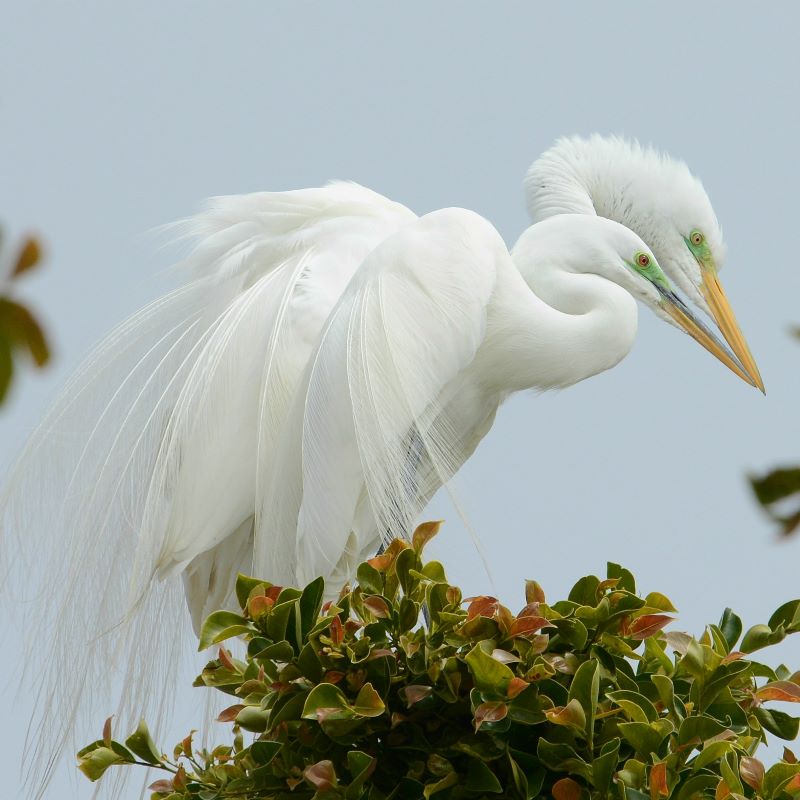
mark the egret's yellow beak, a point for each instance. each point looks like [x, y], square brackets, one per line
[726, 320]
[688, 322]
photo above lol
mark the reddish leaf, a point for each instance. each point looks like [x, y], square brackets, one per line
[648, 625]
[187, 745]
[414, 693]
[179, 781]
[658, 781]
[337, 631]
[377, 606]
[523, 626]
[28, 257]
[321, 776]
[483, 606]
[230, 713]
[381, 562]
[733, 656]
[788, 756]
[259, 605]
[225, 659]
[163, 786]
[515, 687]
[780, 690]
[752, 772]
[722, 790]
[566, 789]
[424, 533]
[107, 732]
[493, 711]
[332, 676]
[381, 652]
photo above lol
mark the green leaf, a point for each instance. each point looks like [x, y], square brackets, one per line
[731, 627]
[368, 702]
[784, 726]
[141, 744]
[489, 674]
[325, 696]
[643, 737]
[761, 636]
[18, 325]
[222, 625]
[585, 688]
[93, 763]
[625, 578]
[369, 579]
[308, 608]
[701, 728]
[605, 765]
[787, 615]
[635, 705]
[263, 752]
[245, 585]
[6, 366]
[481, 779]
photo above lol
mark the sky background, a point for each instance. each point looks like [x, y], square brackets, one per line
[117, 118]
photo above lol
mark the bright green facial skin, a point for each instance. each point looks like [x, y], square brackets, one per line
[699, 248]
[652, 271]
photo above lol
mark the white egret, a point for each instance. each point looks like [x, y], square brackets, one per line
[331, 361]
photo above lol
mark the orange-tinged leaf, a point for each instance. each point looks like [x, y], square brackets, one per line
[523, 626]
[259, 605]
[377, 606]
[163, 786]
[107, 732]
[752, 772]
[647, 625]
[381, 562]
[321, 776]
[493, 711]
[337, 631]
[225, 659]
[414, 693]
[515, 687]
[780, 690]
[658, 781]
[733, 656]
[566, 789]
[187, 745]
[28, 257]
[179, 781]
[788, 756]
[424, 533]
[533, 592]
[571, 714]
[230, 713]
[483, 606]
[722, 790]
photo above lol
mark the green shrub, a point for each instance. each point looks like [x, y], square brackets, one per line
[584, 697]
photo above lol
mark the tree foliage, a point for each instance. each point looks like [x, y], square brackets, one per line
[19, 330]
[586, 697]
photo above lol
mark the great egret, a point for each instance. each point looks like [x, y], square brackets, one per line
[330, 362]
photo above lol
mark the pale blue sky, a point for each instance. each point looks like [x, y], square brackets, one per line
[118, 118]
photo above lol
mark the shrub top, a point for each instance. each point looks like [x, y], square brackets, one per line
[581, 698]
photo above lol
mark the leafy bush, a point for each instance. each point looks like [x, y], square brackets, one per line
[584, 697]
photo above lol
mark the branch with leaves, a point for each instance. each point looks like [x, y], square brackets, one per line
[19, 329]
[579, 699]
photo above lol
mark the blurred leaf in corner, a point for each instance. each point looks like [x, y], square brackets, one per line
[19, 329]
[778, 491]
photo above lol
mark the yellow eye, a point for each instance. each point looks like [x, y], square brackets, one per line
[696, 238]
[643, 260]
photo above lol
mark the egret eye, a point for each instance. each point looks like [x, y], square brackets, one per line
[643, 260]
[696, 238]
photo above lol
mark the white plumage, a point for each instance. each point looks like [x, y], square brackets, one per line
[329, 363]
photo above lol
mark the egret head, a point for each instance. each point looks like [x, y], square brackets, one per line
[655, 196]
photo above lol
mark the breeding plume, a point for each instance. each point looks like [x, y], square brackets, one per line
[330, 361]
